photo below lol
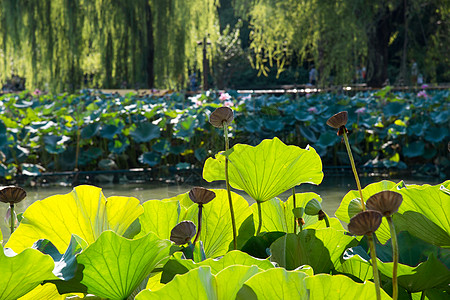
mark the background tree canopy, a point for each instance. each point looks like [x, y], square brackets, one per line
[65, 45]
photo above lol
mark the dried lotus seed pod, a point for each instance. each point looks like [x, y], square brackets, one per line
[386, 202]
[220, 115]
[338, 120]
[12, 194]
[201, 195]
[365, 222]
[183, 232]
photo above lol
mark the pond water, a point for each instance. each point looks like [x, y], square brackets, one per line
[332, 190]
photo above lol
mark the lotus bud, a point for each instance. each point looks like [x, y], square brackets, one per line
[339, 121]
[386, 202]
[365, 222]
[201, 195]
[313, 207]
[12, 194]
[220, 115]
[298, 212]
[354, 207]
[183, 232]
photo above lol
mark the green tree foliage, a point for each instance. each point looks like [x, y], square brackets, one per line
[95, 43]
[340, 35]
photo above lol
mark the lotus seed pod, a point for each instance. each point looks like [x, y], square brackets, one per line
[338, 120]
[365, 222]
[201, 195]
[386, 202]
[220, 115]
[183, 232]
[298, 212]
[12, 194]
[313, 207]
[354, 207]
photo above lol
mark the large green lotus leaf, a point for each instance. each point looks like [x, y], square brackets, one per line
[342, 211]
[114, 266]
[414, 149]
[216, 232]
[425, 213]
[321, 249]
[266, 170]
[276, 283]
[160, 217]
[356, 264]
[21, 273]
[336, 287]
[425, 276]
[200, 283]
[183, 199]
[46, 291]
[84, 212]
[278, 216]
[145, 132]
[178, 265]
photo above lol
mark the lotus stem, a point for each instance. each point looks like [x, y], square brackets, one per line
[200, 208]
[12, 218]
[295, 220]
[395, 258]
[260, 217]
[422, 296]
[355, 173]
[327, 222]
[373, 255]
[230, 202]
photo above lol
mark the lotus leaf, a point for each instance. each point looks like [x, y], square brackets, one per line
[414, 149]
[114, 266]
[424, 213]
[266, 170]
[425, 276]
[371, 189]
[327, 139]
[275, 283]
[436, 134]
[85, 212]
[216, 232]
[321, 249]
[145, 132]
[200, 283]
[160, 217]
[21, 273]
[356, 263]
[90, 130]
[336, 287]
[278, 215]
[178, 265]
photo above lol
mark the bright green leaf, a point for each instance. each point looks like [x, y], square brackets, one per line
[200, 283]
[336, 287]
[275, 283]
[114, 266]
[267, 170]
[85, 212]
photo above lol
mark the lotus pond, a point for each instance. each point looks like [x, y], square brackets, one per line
[83, 243]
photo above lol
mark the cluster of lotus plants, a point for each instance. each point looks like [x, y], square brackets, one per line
[387, 240]
[91, 130]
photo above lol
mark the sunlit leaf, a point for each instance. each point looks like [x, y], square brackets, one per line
[200, 283]
[21, 273]
[216, 232]
[85, 212]
[266, 170]
[114, 266]
[336, 287]
[275, 283]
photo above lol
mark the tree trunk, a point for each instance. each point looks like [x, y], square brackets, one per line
[150, 45]
[378, 52]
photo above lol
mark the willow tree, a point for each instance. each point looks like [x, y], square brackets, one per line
[97, 43]
[337, 35]
[318, 30]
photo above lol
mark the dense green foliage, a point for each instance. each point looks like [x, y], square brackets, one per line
[89, 131]
[63, 45]
[85, 243]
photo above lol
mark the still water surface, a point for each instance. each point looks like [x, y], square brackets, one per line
[332, 190]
